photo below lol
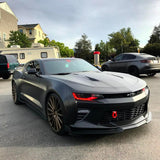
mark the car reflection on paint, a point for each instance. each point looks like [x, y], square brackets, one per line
[77, 98]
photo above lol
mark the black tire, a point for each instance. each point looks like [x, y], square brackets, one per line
[15, 94]
[105, 68]
[151, 74]
[6, 76]
[134, 71]
[54, 114]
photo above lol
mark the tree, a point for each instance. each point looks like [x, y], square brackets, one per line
[123, 41]
[153, 49]
[83, 48]
[105, 49]
[155, 37]
[45, 42]
[64, 50]
[18, 38]
[153, 46]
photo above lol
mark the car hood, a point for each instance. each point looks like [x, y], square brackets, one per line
[101, 82]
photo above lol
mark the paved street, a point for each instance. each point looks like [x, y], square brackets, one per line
[25, 136]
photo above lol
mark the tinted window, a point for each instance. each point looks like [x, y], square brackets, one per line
[119, 57]
[3, 59]
[37, 66]
[11, 59]
[29, 65]
[13, 54]
[67, 66]
[128, 57]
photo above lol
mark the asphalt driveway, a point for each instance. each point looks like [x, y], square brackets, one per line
[24, 135]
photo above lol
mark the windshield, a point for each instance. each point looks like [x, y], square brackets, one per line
[59, 66]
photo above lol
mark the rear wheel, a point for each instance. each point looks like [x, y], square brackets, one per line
[15, 94]
[6, 75]
[54, 114]
[134, 71]
[151, 74]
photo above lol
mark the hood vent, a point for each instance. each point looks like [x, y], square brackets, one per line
[92, 79]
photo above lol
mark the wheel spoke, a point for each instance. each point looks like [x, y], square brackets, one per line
[54, 113]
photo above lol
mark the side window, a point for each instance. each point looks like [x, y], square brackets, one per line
[30, 32]
[11, 59]
[29, 65]
[129, 57]
[21, 30]
[13, 54]
[22, 55]
[44, 55]
[119, 57]
[37, 66]
[4, 36]
[3, 59]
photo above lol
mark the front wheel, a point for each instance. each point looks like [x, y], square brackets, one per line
[134, 71]
[15, 94]
[54, 114]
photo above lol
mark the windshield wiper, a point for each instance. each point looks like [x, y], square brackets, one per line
[61, 73]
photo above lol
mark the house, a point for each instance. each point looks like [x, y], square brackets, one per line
[26, 54]
[8, 22]
[33, 31]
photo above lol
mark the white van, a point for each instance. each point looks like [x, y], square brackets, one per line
[26, 54]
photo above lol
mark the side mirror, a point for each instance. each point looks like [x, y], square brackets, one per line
[32, 71]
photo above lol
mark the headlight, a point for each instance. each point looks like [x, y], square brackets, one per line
[146, 90]
[86, 97]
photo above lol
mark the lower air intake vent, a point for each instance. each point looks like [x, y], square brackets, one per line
[123, 115]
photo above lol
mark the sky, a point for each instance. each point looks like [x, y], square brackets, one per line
[66, 20]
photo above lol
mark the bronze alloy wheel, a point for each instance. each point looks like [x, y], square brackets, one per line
[14, 94]
[54, 114]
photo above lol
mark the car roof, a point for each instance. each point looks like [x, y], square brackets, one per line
[144, 55]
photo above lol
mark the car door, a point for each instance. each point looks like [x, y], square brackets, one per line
[33, 86]
[117, 63]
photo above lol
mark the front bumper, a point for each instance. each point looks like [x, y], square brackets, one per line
[97, 118]
[84, 127]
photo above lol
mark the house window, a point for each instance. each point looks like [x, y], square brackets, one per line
[30, 31]
[4, 36]
[39, 34]
[21, 30]
[22, 55]
[44, 55]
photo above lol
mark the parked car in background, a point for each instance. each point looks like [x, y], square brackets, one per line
[76, 97]
[7, 65]
[134, 64]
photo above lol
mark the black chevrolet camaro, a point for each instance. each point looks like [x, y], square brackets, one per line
[77, 98]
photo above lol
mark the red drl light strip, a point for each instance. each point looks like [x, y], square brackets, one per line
[84, 99]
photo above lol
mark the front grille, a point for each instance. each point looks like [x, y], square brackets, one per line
[123, 95]
[124, 114]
